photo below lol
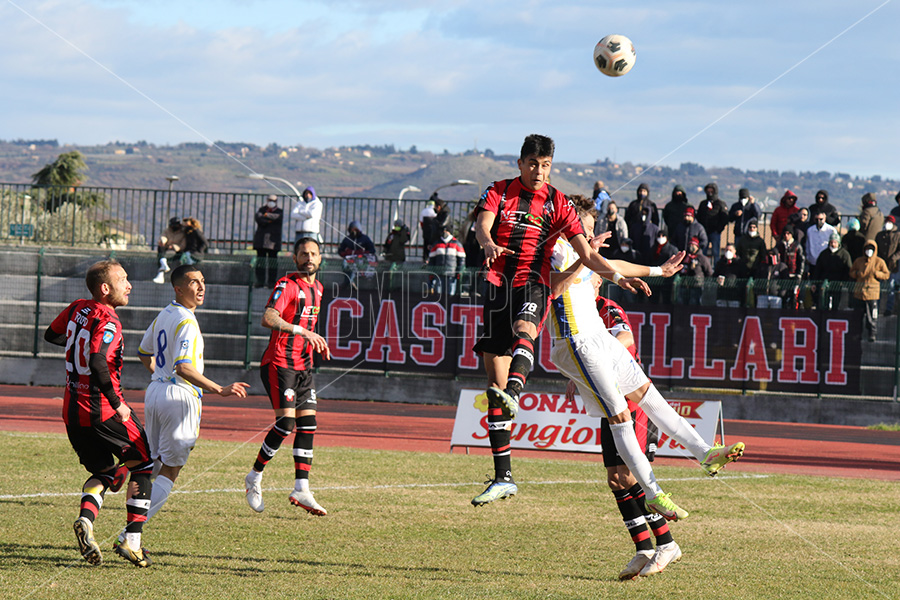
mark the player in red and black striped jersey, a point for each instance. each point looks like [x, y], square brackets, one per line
[517, 223]
[99, 423]
[286, 371]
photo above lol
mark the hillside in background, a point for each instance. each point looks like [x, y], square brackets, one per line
[382, 171]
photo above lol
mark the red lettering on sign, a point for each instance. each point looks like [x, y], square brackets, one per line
[438, 316]
[658, 367]
[544, 355]
[699, 369]
[837, 330]
[470, 318]
[794, 350]
[386, 338]
[336, 309]
[751, 353]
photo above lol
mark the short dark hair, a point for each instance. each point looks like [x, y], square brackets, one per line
[180, 273]
[537, 145]
[304, 240]
[98, 273]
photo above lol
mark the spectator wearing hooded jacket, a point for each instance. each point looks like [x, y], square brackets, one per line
[833, 266]
[356, 243]
[712, 213]
[895, 212]
[306, 216]
[695, 268]
[743, 211]
[853, 240]
[601, 198]
[784, 211]
[689, 228]
[822, 205]
[673, 211]
[801, 222]
[871, 221]
[751, 250]
[888, 240]
[869, 270]
[640, 211]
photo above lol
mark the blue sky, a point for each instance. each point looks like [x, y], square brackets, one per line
[801, 85]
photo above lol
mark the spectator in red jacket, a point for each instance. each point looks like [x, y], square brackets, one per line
[783, 213]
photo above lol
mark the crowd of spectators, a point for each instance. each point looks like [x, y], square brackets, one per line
[794, 250]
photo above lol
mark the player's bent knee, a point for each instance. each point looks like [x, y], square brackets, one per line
[285, 424]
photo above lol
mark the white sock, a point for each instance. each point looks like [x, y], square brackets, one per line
[671, 423]
[133, 540]
[629, 449]
[301, 485]
[254, 476]
[162, 487]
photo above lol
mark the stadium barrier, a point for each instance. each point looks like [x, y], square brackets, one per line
[735, 337]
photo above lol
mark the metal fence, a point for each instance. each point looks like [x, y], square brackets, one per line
[128, 218]
[131, 218]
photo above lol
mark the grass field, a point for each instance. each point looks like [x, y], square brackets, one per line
[400, 526]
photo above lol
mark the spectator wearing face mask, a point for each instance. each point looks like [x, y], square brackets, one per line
[751, 250]
[626, 251]
[730, 267]
[674, 209]
[640, 212]
[614, 223]
[888, 240]
[822, 205]
[869, 270]
[817, 238]
[743, 211]
[853, 240]
[689, 228]
[833, 266]
[662, 250]
[712, 214]
[695, 269]
[781, 214]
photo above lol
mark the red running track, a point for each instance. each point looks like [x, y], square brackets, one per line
[827, 450]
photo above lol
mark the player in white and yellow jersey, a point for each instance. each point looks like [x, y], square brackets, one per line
[172, 350]
[606, 373]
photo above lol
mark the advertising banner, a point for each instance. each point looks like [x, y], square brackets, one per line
[687, 346]
[551, 422]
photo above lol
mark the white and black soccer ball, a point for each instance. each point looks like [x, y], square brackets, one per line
[614, 55]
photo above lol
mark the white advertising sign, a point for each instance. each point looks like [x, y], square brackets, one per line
[550, 422]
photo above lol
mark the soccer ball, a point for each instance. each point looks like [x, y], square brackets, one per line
[614, 55]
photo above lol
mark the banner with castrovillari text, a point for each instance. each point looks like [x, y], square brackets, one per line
[552, 422]
[408, 328]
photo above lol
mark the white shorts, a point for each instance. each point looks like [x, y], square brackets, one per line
[171, 421]
[603, 370]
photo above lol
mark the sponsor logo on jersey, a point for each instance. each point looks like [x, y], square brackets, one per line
[277, 293]
[309, 311]
[185, 344]
[301, 294]
[108, 336]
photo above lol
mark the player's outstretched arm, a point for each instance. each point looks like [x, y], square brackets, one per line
[189, 373]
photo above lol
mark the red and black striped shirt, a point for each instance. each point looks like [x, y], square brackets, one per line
[527, 223]
[298, 302]
[90, 328]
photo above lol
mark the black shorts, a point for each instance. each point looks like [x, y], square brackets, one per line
[645, 430]
[505, 305]
[288, 388]
[98, 446]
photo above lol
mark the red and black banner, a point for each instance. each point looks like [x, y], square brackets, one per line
[685, 346]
